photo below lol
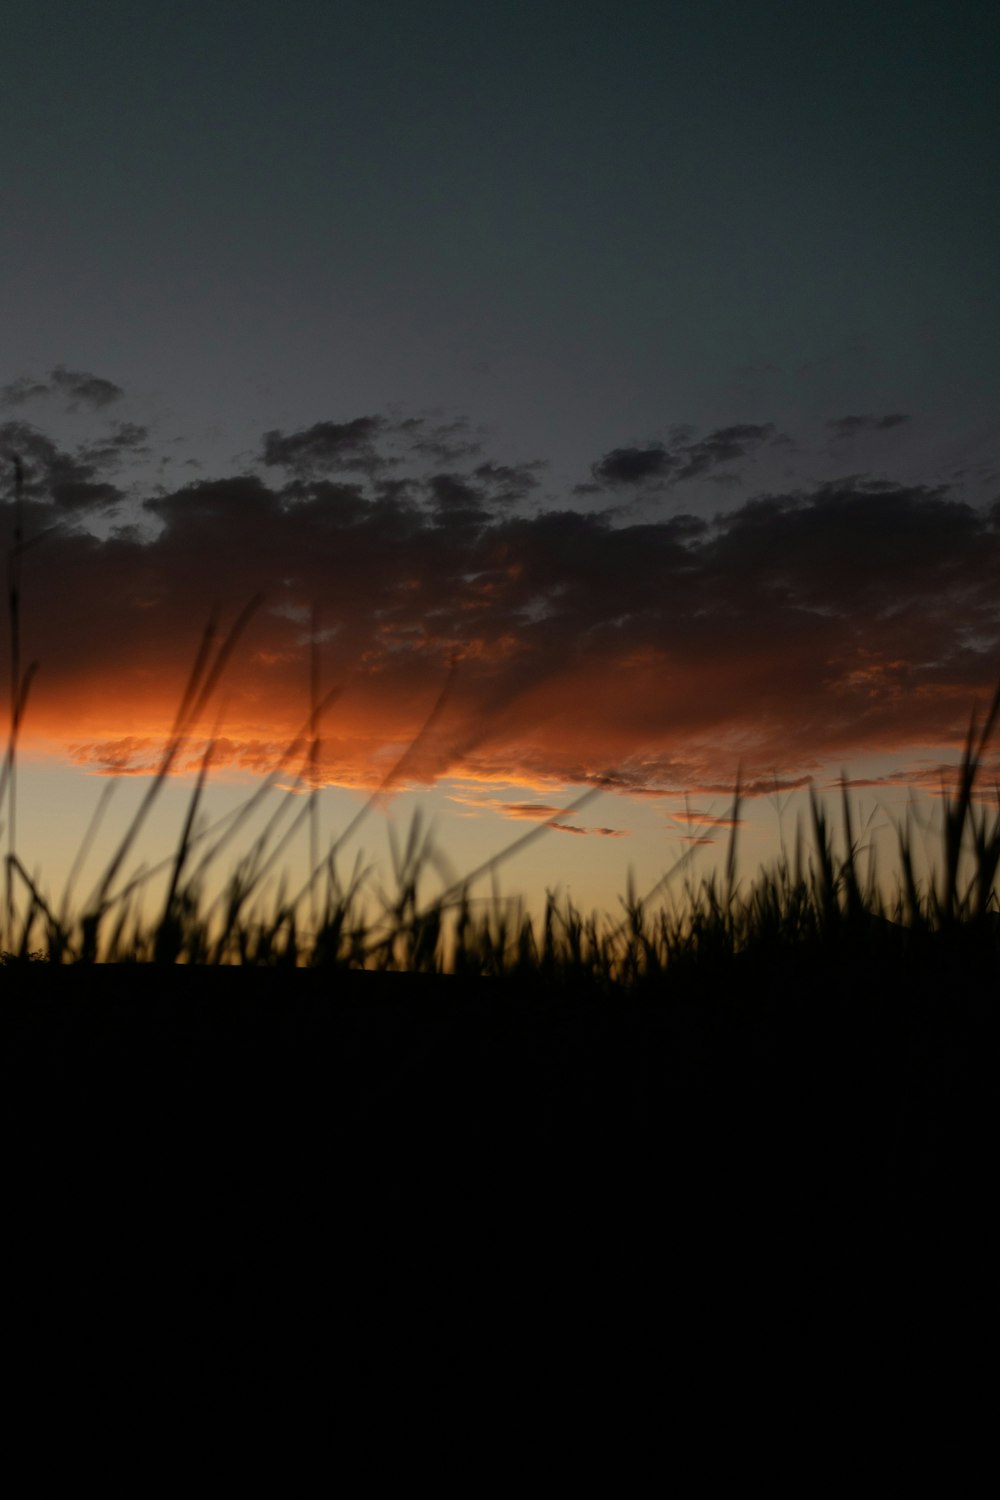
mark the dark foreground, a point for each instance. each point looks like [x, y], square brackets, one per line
[247, 1186]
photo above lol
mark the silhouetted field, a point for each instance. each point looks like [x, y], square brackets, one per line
[311, 1181]
[458, 1151]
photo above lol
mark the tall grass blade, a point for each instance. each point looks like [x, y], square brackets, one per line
[201, 683]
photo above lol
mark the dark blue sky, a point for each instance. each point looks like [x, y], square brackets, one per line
[576, 223]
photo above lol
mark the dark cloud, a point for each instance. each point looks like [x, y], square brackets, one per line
[72, 490]
[634, 465]
[507, 483]
[125, 440]
[17, 392]
[347, 502]
[646, 657]
[470, 497]
[848, 427]
[454, 500]
[326, 446]
[722, 447]
[54, 476]
[658, 464]
[77, 387]
[27, 443]
[444, 442]
[84, 389]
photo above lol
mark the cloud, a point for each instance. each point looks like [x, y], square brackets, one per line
[528, 810]
[468, 498]
[124, 440]
[540, 812]
[508, 482]
[659, 465]
[454, 496]
[374, 445]
[84, 389]
[691, 816]
[802, 627]
[722, 447]
[77, 387]
[445, 442]
[937, 779]
[326, 446]
[848, 427]
[607, 833]
[59, 478]
[634, 465]
[132, 755]
[17, 392]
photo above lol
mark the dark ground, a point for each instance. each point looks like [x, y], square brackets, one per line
[255, 1186]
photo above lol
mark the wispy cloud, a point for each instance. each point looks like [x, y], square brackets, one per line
[606, 833]
[77, 389]
[540, 812]
[658, 464]
[848, 427]
[326, 446]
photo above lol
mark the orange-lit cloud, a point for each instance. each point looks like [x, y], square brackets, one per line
[606, 833]
[540, 812]
[580, 648]
[689, 816]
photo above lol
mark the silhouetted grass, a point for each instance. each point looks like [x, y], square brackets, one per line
[284, 1139]
[815, 904]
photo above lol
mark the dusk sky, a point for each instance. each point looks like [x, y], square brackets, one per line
[630, 367]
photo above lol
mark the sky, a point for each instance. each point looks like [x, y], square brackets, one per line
[611, 385]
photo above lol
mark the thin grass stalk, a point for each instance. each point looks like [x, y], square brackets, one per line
[14, 610]
[201, 683]
[86, 843]
[957, 812]
[168, 930]
[314, 757]
[38, 902]
[239, 816]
